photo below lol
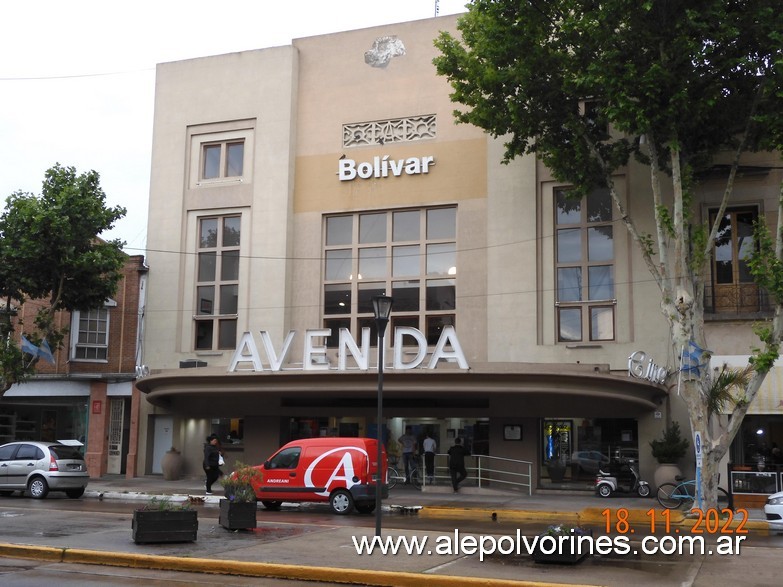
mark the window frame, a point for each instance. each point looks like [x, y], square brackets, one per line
[76, 344]
[212, 318]
[571, 230]
[391, 269]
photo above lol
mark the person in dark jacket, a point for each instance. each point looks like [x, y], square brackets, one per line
[211, 461]
[457, 464]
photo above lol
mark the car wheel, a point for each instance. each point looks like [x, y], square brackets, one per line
[365, 508]
[75, 493]
[604, 490]
[341, 502]
[272, 505]
[38, 487]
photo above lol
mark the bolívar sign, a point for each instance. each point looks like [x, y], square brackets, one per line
[247, 358]
[348, 169]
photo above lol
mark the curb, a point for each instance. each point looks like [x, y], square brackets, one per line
[251, 569]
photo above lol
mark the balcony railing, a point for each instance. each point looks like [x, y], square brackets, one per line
[746, 300]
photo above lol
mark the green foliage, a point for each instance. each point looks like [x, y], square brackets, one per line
[50, 252]
[719, 387]
[671, 447]
[163, 504]
[238, 486]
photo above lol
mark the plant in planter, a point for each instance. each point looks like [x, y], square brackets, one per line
[238, 508]
[668, 450]
[562, 544]
[160, 520]
[556, 469]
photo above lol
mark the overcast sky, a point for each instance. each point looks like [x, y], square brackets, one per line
[77, 77]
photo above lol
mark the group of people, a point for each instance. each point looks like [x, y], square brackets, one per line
[457, 454]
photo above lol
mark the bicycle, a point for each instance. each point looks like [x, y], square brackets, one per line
[417, 474]
[393, 477]
[683, 493]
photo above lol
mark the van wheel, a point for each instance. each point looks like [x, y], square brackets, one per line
[365, 508]
[341, 502]
[272, 505]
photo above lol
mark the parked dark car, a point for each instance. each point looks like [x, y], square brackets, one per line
[41, 467]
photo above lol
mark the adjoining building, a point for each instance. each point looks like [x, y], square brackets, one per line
[291, 185]
[87, 391]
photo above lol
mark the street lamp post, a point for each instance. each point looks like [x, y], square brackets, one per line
[382, 306]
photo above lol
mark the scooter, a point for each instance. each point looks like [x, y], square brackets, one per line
[626, 480]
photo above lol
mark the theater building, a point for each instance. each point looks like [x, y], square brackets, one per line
[291, 185]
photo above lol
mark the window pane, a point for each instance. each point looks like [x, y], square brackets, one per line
[441, 294]
[599, 205]
[435, 326]
[338, 264]
[367, 291]
[208, 233]
[229, 266]
[568, 211]
[600, 246]
[206, 299]
[373, 326]
[406, 261]
[372, 263]
[339, 230]
[600, 282]
[211, 161]
[235, 157]
[602, 323]
[745, 244]
[203, 334]
[441, 259]
[337, 298]
[229, 299]
[227, 334]
[335, 324]
[570, 324]
[231, 231]
[569, 284]
[569, 245]
[442, 223]
[406, 296]
[372, 228]
[405, 226]
[403, 322]
[206, 266]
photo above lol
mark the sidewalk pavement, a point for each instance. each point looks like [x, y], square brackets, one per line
[314, 556]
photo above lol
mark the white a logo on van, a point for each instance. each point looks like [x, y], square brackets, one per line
[339, 468]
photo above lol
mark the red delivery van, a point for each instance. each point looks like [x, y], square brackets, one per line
[340, 471]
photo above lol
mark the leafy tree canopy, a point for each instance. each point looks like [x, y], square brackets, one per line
[50, 252]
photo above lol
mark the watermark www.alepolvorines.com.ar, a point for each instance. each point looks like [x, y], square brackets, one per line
[458, 544]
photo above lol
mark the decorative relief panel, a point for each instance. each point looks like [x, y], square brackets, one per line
[394, 130]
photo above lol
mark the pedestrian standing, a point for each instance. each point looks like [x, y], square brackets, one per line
[457, 464]
[408, 443]
[430, 446]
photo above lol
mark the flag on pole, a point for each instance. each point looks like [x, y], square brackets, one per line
[29, 348]
[45, 352]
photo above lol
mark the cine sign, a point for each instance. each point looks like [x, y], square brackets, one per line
[247, 358]
[640, 367]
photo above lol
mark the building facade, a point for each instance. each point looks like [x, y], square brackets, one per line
[87, 393]
[291, 185]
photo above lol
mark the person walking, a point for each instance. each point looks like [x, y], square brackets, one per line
[211, 461]
[430, 446]
[457, 464]
[408, 443]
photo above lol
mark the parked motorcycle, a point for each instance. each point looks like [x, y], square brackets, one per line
[623, 477]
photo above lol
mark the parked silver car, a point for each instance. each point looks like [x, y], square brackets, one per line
[41, 467]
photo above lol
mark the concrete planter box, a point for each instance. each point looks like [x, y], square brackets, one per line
[165, 526]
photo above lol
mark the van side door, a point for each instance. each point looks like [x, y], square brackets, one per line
[282, 479]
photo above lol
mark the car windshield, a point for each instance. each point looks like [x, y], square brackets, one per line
[65, 452]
